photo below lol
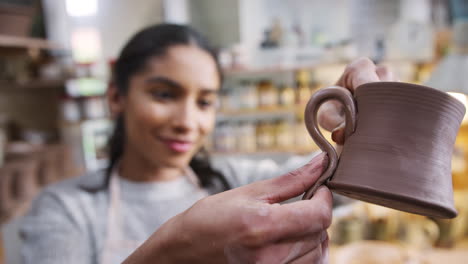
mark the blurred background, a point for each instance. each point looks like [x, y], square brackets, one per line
[56, 58]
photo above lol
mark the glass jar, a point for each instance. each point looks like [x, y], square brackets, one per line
[224, 100]
[267, 94]
[224, 140]
[246, 137]
[265, 135]
[248, 95]
[303, 94]
[460, 159]
[302, 138]
[284, 135]
[287, 96]
[303, 88]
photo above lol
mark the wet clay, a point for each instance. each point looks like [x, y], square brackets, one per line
[398, 147]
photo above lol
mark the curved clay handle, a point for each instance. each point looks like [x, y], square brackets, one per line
[346, 98]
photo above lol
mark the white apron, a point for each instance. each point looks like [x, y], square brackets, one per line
[116, 248]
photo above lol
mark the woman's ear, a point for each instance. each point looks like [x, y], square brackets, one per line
[115, 100]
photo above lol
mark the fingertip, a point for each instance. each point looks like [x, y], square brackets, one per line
[316, 166]
[325, 161]
[323, 189]
[330, 115]
[321, 155]
[323, 204]
[382, 69]
[295, 182]
[319, 159]
[324, 193]
[323, 236]
[362, 62]
[384, 73]
[337, 135]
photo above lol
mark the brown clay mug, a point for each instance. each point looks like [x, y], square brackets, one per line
[399, 139]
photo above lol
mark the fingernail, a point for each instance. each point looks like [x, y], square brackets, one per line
[323, 164]
[340, 126]
[335, 135]
[323, 237]
[322, 187]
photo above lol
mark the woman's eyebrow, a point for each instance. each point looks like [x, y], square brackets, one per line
[165, 81]
[173, 84]
[208, 91]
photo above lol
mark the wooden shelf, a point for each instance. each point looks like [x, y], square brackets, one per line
[32, 85]
[297, 151]
[14, 42]
[271, 112]
[279, 68]
[240, 71]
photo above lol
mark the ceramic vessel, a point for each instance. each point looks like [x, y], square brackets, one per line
[399, 139]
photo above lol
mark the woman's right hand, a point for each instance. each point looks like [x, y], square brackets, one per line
[248, 225]
[358, 72]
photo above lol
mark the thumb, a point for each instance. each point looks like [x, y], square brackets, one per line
[292, 184]
[331, 114]
[358, 72]
[338, 134]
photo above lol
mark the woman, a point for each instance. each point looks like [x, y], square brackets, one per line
[164, 98]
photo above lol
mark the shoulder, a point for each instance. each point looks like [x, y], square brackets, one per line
[67, 218]
[69, 199]
[76, 188]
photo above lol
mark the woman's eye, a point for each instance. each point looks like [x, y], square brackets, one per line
[162, 95]
[206, 103]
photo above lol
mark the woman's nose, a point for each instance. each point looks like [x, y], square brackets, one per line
[185, 117]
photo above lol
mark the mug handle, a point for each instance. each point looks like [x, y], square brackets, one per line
[346, 98]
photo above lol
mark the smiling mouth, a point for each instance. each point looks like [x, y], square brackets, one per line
[180, 146]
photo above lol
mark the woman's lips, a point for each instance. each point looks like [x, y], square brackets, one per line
[178, 145]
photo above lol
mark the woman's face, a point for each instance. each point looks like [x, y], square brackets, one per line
[170, 107]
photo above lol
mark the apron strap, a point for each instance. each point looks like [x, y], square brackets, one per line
[114, 223]
[114, 234]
